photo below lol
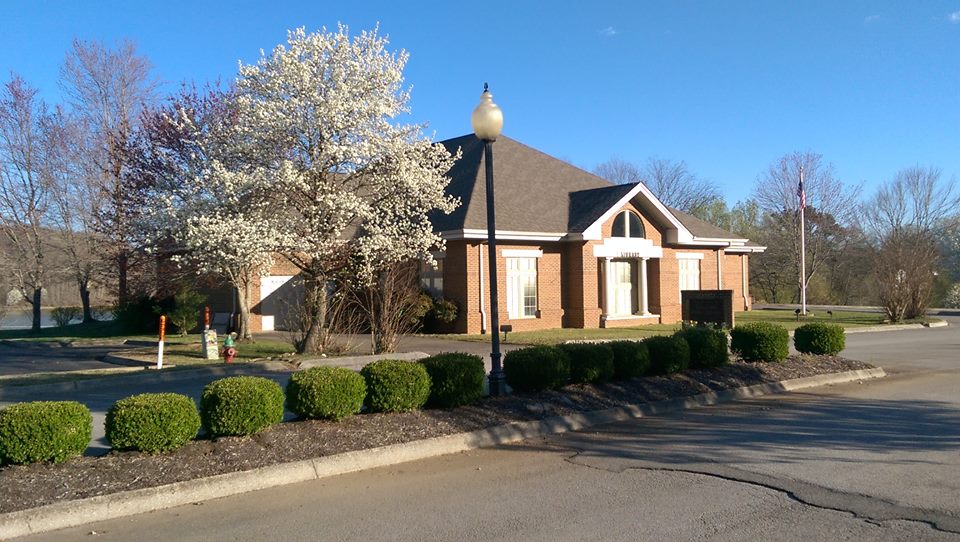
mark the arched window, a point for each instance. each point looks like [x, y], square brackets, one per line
[627, 224]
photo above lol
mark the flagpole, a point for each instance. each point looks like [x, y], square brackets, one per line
[803, 249]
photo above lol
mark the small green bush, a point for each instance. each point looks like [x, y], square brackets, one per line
[396, 386]
[456, 379]
[668, 354]
[44, 431]
[152, 422]
[708, 346]
[760, 341]
[240, 405]
[187, 306]
[589, 362]
[329, 393]
[536, 368]
[631, 359]
[819, 338]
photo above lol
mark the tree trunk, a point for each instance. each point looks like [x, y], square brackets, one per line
[35, 326]
[84, 286]
[314, 311]
[243, 298]
[123, 263]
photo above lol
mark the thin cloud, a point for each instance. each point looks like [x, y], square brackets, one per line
[871, 19]
[954, 17]
[609, 32]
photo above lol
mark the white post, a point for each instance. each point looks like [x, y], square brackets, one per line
[163, 332]
[644, 302]
[803, 249]
[608, 292]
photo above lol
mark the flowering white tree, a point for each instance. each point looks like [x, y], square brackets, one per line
[351, 186]
[205, 207]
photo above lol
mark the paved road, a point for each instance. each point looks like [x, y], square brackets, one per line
[25, 359]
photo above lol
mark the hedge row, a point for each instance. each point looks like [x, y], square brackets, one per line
[239, 405]
[243, 405]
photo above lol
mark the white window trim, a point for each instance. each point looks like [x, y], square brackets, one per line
[536, 277]
[521, 253]
[689, 255]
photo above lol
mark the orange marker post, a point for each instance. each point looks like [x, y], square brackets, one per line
[163, 333]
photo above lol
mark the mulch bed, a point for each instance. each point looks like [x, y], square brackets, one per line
[36, 485]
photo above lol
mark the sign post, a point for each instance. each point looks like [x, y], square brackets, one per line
[163, 334]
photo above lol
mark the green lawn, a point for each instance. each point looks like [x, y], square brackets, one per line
[555, 336]
[187, 351]
[786, 318]
[79, 333]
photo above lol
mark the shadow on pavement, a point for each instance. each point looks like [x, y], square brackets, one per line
[782, 430]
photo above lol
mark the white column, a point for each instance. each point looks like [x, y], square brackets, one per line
[644, 301]
[607, 287]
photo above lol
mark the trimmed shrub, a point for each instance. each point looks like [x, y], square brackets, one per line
[395, 385]
[631, 359]
[668, 354]
[240, 405]
[819, 338]
[589, 362]
[708, 346]
[152, 422]
[328, 393]
[760, 341]
[456, 379]
[44, 431]
[536, 368]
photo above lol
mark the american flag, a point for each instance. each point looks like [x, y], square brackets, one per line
[802, 194]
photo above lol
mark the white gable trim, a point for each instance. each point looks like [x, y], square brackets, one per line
[521, 253]
[502, 235]
[677, 229]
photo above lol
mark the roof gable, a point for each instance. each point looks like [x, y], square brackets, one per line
[539, 196]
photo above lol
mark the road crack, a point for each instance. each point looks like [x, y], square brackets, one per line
[864, 507]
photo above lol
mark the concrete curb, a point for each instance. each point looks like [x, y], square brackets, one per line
[73, 513]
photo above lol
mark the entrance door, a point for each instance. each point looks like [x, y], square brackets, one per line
[623, 298]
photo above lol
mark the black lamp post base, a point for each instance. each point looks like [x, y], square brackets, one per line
[497, 382]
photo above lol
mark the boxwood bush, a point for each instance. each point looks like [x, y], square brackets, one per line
[819, 338]
[152, 422]
[668, 354]
[536, 368]
[396, 386]
[589, 362]
[631, 359]
[455, 379]
[760, 341]
[240, 405]
[708, 346]
[44, 431]
[328, 393]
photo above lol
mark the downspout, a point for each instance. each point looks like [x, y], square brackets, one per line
[483, 312]
[744, 283]
[720, 268]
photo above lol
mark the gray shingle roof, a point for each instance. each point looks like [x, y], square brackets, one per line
[535, 192]
[701, 228]
[532, 189]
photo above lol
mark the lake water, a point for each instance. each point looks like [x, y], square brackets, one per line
[23, 318]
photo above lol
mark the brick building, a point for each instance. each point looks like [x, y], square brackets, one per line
[574, 250]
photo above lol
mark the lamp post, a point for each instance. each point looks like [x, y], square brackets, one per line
[487, 121]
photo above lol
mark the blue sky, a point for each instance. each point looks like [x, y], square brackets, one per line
[727, 86]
